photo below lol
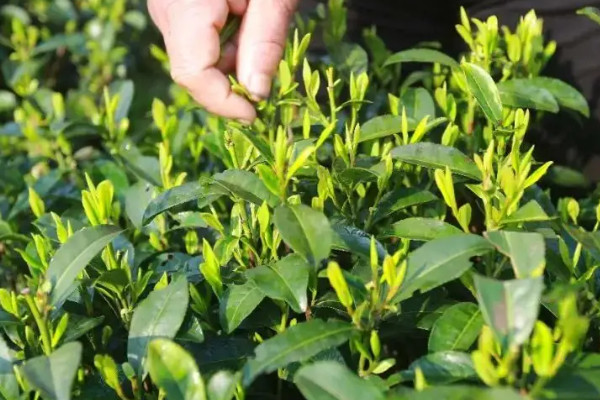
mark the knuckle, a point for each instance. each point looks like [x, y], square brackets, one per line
[184, 76]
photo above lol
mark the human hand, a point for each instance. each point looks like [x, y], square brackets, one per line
[191, 29]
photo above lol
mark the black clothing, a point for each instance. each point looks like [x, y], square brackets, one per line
[402, 24]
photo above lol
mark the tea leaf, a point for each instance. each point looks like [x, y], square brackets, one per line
[431, 155]
[353, 240]
[53, 375]
[222, 386]
[417, 228]
[177, 196]
[247, 186]
[484, 89]
[526, 250]
[238, 302]
[463, 392]
[287, 280]
[400, 199]
[137, 199]
[158, 315]
[174, 370]
[422, 55]
[442, 367]
[297, 343]
[72, 257]
[441, 261]
[305, 230]
[566, 95]
[9, 387]
[510, 308]
[333, 381]
[530, 212]
[522, 93]
[386, 125]
[457, 329]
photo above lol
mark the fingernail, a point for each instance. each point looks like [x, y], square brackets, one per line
[259, 85]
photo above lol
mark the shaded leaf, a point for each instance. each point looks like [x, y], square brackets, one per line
[53, 375]
[238, 302]
[442, 367]
[400, 199]
[456, 329]
[297, 343]
[247, 186]
[566, 95]
[522, 93]
[9, 387]
[353, 240]
[177, 196]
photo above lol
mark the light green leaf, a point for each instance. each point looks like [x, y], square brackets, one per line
[73, 256]
[530, 212]
[386, 125]
[591, 12]
[174, 370]
[436, 156]
[287, 280]
[222, 386]
[510, 308]
[566, 95]
[440, 261]
[158, 316]
[305, 230]
[456, 329]
[526, 250]
[484, 89]
[297, 343]
[330, 380]
[522, 93]
[418, 104]
[246, 185]
[418, 228]
[53, 375]
[423, 56]
[238, 302]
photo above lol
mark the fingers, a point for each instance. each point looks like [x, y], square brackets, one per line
[191, 32]
[237, 7]
[262, 40]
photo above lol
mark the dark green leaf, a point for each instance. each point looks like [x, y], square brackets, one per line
[287, 280]
[526, 250]
[386, 125]
[305, 230]
[485, 91]
[353, 240]
[177, 196]
[568, 177]
[461, 392]
[53, 375]
[330, 380]
[144, 167]
[297, 343]
[522, 93]
[422, 55]
[238, 302]
[79, 326]
[137, 198]
[566, 95]
[579, 379]
[73, 256]
[510, 308]
[456, 329]
[400, 199]
[431, 155]
[9, 388]
[418, 104]
[173, 370]
[442, 367]
[440, 261]
[418, 228]
[589, 240]
[247, 186]
[158, 316]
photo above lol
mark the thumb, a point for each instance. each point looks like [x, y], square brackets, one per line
[262, 39]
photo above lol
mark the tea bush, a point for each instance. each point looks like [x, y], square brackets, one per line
[375, 234]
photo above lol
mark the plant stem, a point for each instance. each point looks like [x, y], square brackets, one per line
[41, 324]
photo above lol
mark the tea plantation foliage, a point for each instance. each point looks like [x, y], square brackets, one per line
[375, 234]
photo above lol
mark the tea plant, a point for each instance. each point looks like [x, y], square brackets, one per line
[372, 235]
